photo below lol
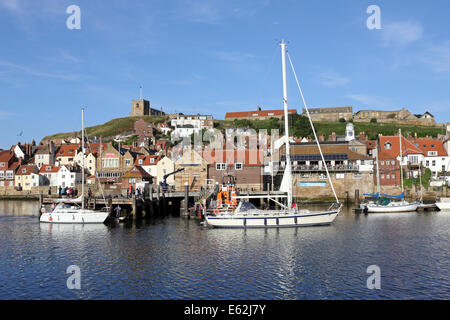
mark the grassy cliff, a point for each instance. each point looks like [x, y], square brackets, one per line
[110, 129]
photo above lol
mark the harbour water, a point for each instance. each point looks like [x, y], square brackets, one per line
[174, 258]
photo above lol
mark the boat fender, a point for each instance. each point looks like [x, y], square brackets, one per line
[216, 211]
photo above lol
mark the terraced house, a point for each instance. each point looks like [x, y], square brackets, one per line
[8, 165]
[66, 154]
[27, 176]
[111, 163]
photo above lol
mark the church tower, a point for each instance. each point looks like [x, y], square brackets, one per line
[140, 108]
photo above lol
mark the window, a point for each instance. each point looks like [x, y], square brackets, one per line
[382, 163]
[238, 166]
[432, 153]
[24, 170]
[152, 160]
[387, 176]
[2, 164]
[393, 162]
[382, 176]
[427, 163]
[387, 146]
[127, 162]
[433, 163]
[141, 161]
[393, 175]
[221, 166]
[110, 163]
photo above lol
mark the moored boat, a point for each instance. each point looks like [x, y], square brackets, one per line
[246, 215]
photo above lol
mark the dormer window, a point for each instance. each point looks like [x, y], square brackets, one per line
[24, 170]
[141, 161]
[388, 146]
[152, 160]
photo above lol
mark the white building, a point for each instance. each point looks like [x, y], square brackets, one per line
[68, 178]
[49, 173]
[186, 125]
[435, 157]
[45, 155]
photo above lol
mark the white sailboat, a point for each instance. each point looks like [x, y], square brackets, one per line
[381, 203]
[246, 215]
[69, 210]
[443, 203]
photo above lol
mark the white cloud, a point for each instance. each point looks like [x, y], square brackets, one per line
[37, 73]
[438, 57]
[374, 102]
[401, 33]
[5, 114]
[232, 57]
[332, 79]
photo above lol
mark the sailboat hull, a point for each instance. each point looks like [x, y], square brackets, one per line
[443, 204]
[391, 207]
[272, 220]
[74, 217]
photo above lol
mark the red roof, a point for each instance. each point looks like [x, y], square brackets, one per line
[247, 157]
[49, 168]
[6, 155]
[371, 144]
[429, 144]
[262, 113]
[67, 150]
[391, 145]
[146, 160]
[26, 170]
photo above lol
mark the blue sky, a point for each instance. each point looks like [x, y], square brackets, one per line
[214, 56]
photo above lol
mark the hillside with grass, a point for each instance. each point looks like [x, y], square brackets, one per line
[299, 127]
[110, 129]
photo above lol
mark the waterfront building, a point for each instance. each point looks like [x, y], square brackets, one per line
[111, 163]
[148, 163]
[165, 166]
[69, 176]
[23, 177]
[412, 155]
[435, 157]
[348, 170]
[50, 175]
[246, 166]
[389, 167]
[195, 172]
[8, 165]
[258, 114]
[135, 176]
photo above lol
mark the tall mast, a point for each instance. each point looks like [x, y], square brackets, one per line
[82, 157]
[401, 158]
[288, 171]
[378, 173]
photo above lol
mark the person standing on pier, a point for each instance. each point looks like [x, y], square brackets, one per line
[117, 210]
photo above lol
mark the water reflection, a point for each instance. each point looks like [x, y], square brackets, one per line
[174, 258]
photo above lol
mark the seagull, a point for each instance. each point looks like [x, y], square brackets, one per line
[20, 134]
